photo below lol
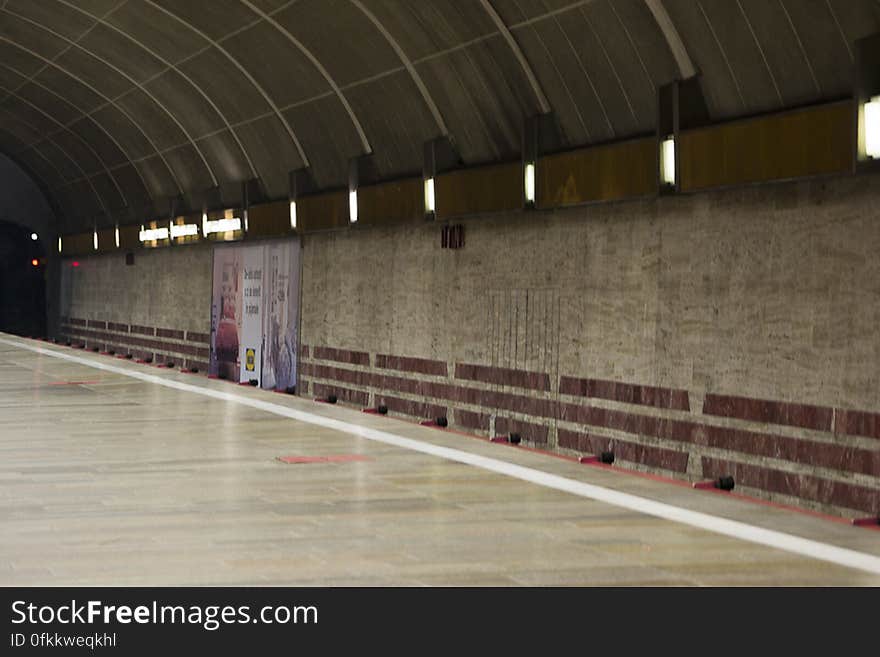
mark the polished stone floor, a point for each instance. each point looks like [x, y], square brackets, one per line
[110, 480]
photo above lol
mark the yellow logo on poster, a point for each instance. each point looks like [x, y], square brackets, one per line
[250, 358]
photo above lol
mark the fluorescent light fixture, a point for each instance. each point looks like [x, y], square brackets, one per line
[430, 204]
[293, 214]
[95, 240]
[116, 235]
[667, 161]
[153, 234]
[204, 223]
[59, 245]
[245, 214]
[353, 206]
[872, 128]
[530, 182]
[34, 237]
[184, 230]
[220, 225]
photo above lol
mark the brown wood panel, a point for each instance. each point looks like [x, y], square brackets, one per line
[476, 191]
[323, 211]
[394, 202]
[269, 219]
[601, 173]
[129, 237]
[77, 244]
[106, 240]
[813, 141]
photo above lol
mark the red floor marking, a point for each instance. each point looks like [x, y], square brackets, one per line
[705, 485]
[338, 458]
[72, 383]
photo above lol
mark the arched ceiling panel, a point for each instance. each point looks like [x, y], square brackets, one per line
[273, 153]
[165, 36]
[94, 73]
[112, 46]
[18, 59]
[339, 36]
[188, 167]
[395, 116]
[133, 141]
[289, 78]
[152, 119]
[229, 88]
[224, 156]
[329, 148]
[180, 97]
[58, 18]
[157, 176]
[21, 30]
[426, 28]
[216, 18]
[75, 92]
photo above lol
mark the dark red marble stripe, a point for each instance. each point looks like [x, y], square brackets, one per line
[195, 336]
[655, 457]
[344, 394]
[341, 355]
[770, 412]
[114, 326]
[503, 376]
[628, 393]
[410, 364]
[535, 433]
[471, 420]
[806, 487]
[857, 423]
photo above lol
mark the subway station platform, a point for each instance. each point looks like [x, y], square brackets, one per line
[118, 473]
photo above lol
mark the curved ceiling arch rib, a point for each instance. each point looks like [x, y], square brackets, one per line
[98, 124]
[75, 163]
[543, 103]
[686, 66]
[109, 101]
[79, 137]
[243, 71]
[171, 66]
[410, 67]
[365, 143]
[132, 81]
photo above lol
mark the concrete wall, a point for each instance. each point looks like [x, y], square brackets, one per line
[639, 326]
[159, 307]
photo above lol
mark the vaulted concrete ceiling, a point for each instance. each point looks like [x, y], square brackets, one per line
[116, 106]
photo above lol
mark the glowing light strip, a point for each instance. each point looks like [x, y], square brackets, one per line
[221, 225]
[184, 230]
[153, 234]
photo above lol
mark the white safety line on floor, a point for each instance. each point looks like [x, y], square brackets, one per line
[733, 528]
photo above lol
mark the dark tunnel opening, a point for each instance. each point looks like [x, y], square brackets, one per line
[22, 281]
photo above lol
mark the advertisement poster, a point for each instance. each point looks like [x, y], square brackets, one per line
[254, 313]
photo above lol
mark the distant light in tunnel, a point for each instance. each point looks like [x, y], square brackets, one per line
[75, 263]
[353, 206]
[293, 215]
[530, 183]
[34, 237]
[667, 161]
[872, 128]
[35, 262]
[430, 201]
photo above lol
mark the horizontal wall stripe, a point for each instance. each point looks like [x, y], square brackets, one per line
[503, 376]
[409, 364]
[341, 355]
[771, 412]
[345, 394]
[627, 393]
[472, 420]
[535, 433]
[807, 487]
[655, 457]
